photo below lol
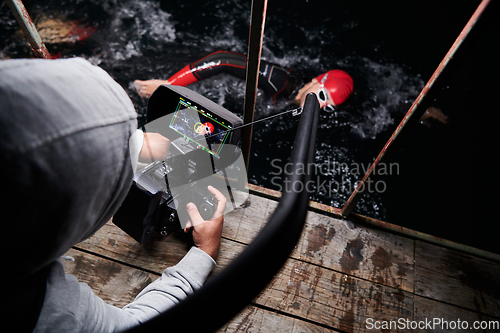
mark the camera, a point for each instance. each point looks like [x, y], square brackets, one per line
[203, 151]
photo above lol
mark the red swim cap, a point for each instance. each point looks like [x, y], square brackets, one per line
[338, 83]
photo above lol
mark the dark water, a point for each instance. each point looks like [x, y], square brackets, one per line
[439, 182]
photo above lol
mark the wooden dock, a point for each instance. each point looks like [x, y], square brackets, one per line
[341, 277]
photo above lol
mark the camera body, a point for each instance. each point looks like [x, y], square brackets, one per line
[203, 148]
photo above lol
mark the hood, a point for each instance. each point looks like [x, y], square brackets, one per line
[64, 160]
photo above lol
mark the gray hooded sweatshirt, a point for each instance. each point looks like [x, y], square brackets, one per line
[66, 167]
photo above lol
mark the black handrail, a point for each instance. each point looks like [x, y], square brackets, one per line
[227, 293]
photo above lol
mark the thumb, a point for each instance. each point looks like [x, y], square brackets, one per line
[194, 214]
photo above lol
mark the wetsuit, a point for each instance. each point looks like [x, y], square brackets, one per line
[273, 79]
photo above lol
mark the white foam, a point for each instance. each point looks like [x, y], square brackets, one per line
[132, 21]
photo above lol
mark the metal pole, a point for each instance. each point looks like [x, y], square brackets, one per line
[29, 29]
[424, 99]
[257, 22]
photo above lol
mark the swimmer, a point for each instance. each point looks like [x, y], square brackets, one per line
[332, 88]
[57, 28]
[203, 129]
[433, 113]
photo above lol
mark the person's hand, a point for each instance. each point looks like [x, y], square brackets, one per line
[146, 88]
[207, 234]
[155, 147]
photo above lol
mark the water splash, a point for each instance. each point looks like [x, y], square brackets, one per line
[145, 40]
[134, 27]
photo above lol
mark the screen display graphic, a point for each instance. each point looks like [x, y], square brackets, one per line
[200, 126]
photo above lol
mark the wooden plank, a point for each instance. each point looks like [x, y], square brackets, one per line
[326, 241]
[434, 316]
[333, 243]
[254, 319]
[355, 250]
[112, 242]
[333, 250]
[456, 278]
[301, 289]
[118, 284]
[333, 299]
[339, 274]
[244, 223]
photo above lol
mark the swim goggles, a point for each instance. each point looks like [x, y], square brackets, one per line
[323, 95]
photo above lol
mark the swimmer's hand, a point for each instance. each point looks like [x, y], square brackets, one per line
[207, 234]
[146, 88]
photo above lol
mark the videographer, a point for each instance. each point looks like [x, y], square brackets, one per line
[68, 144]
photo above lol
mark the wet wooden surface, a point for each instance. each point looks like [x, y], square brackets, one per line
[340, 277]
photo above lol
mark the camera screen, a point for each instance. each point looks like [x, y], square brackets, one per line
[207, 130]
